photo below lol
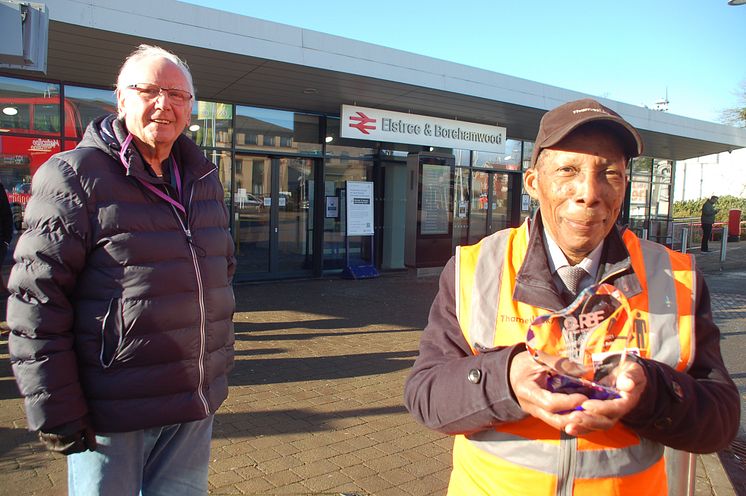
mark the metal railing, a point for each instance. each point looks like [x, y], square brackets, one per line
[694, 228]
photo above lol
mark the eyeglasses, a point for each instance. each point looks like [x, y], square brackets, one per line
[150, 92]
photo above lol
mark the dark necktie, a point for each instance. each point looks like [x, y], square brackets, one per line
[571, 276]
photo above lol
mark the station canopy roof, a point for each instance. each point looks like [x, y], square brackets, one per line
[241, 59]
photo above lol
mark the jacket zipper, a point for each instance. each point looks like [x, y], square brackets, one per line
[200, 298]
[568, 458]
[569, 445]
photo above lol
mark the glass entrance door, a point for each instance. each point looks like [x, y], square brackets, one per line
[490, 206]
[273, 215]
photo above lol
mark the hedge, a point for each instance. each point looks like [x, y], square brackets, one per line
[693, 208]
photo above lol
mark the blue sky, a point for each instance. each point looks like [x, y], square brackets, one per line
[632, 51]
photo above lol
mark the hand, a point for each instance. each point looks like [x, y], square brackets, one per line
[528, 381]
[70, 438]
[604, 414]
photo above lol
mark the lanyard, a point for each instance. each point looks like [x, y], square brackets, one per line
[158, 192]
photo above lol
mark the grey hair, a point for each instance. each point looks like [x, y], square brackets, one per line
[143, 52]
[543, 155]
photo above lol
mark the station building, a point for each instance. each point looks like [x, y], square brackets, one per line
[308, 127]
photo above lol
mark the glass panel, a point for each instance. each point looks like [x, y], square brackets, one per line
[345, 148]
[479, 206]
[462, 157]
[638, 205]
[528, 149]
[251, 213]
[660, 206]
[641, 167]
[211, 124]
[29, 107]
[223, 160]
[660, 200]
[460, 206]
[662, 171]
[337, 171]
[83, 105]
[277, 131]
[295, 229]
[501, 201]
[395, 184]
[510, 160]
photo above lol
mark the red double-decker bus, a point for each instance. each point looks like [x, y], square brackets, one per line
[30, 133]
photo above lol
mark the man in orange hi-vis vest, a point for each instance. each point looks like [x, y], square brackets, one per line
[475, 379]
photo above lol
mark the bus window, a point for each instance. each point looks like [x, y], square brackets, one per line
[47, 117]
[14, 117]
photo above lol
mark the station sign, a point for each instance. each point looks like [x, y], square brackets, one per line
[397, 127]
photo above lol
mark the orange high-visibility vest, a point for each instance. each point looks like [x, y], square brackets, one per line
[529, 456]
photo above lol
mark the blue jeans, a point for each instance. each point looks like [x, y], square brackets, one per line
[163, 461]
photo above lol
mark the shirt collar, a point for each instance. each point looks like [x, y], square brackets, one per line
[557, 258]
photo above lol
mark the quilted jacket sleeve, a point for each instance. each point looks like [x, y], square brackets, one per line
[48, 257]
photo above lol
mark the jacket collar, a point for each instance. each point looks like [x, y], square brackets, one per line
[108, 133]
[534, 282]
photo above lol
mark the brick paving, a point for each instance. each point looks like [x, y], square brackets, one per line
[315, 403]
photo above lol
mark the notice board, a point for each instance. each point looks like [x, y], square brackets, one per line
[359, 204]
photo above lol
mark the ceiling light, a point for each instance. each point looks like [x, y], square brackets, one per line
[329, 139]
[194, 128]
[310, 91]
[10, 111]
[736, 2]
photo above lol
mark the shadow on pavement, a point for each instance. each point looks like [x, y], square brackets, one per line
[292, 421]
[299, 369]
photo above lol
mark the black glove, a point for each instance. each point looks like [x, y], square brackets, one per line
[74, 437]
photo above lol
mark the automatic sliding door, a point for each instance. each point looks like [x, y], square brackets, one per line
[491, 205]
[479, 205]
[500, 202]
[294, 215]
[273, 215]
[251, 228]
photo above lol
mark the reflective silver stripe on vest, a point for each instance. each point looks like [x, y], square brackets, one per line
[589, 464]
[664, 316]
[485, 295]
[568, 464]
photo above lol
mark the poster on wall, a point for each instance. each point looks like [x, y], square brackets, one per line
[332, 207]
[435, 199]
[525, 202]
[359, 204]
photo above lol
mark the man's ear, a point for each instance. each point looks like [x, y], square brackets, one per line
[120, 103]
[530, 178]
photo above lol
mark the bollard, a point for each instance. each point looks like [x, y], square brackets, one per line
[644, 233]
[681, 468]
[723, 246]
[684, 239]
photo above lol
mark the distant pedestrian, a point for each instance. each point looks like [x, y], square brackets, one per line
[121, 300]
[6, 232]
[708, 219]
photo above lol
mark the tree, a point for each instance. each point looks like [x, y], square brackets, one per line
[736, 116]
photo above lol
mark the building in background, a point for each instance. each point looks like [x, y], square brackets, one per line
[719, 174]
[270, 111]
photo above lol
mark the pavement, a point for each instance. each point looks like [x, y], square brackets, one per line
[315, 404]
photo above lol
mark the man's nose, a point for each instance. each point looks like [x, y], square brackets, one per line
[589, 188]
[162, 100]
